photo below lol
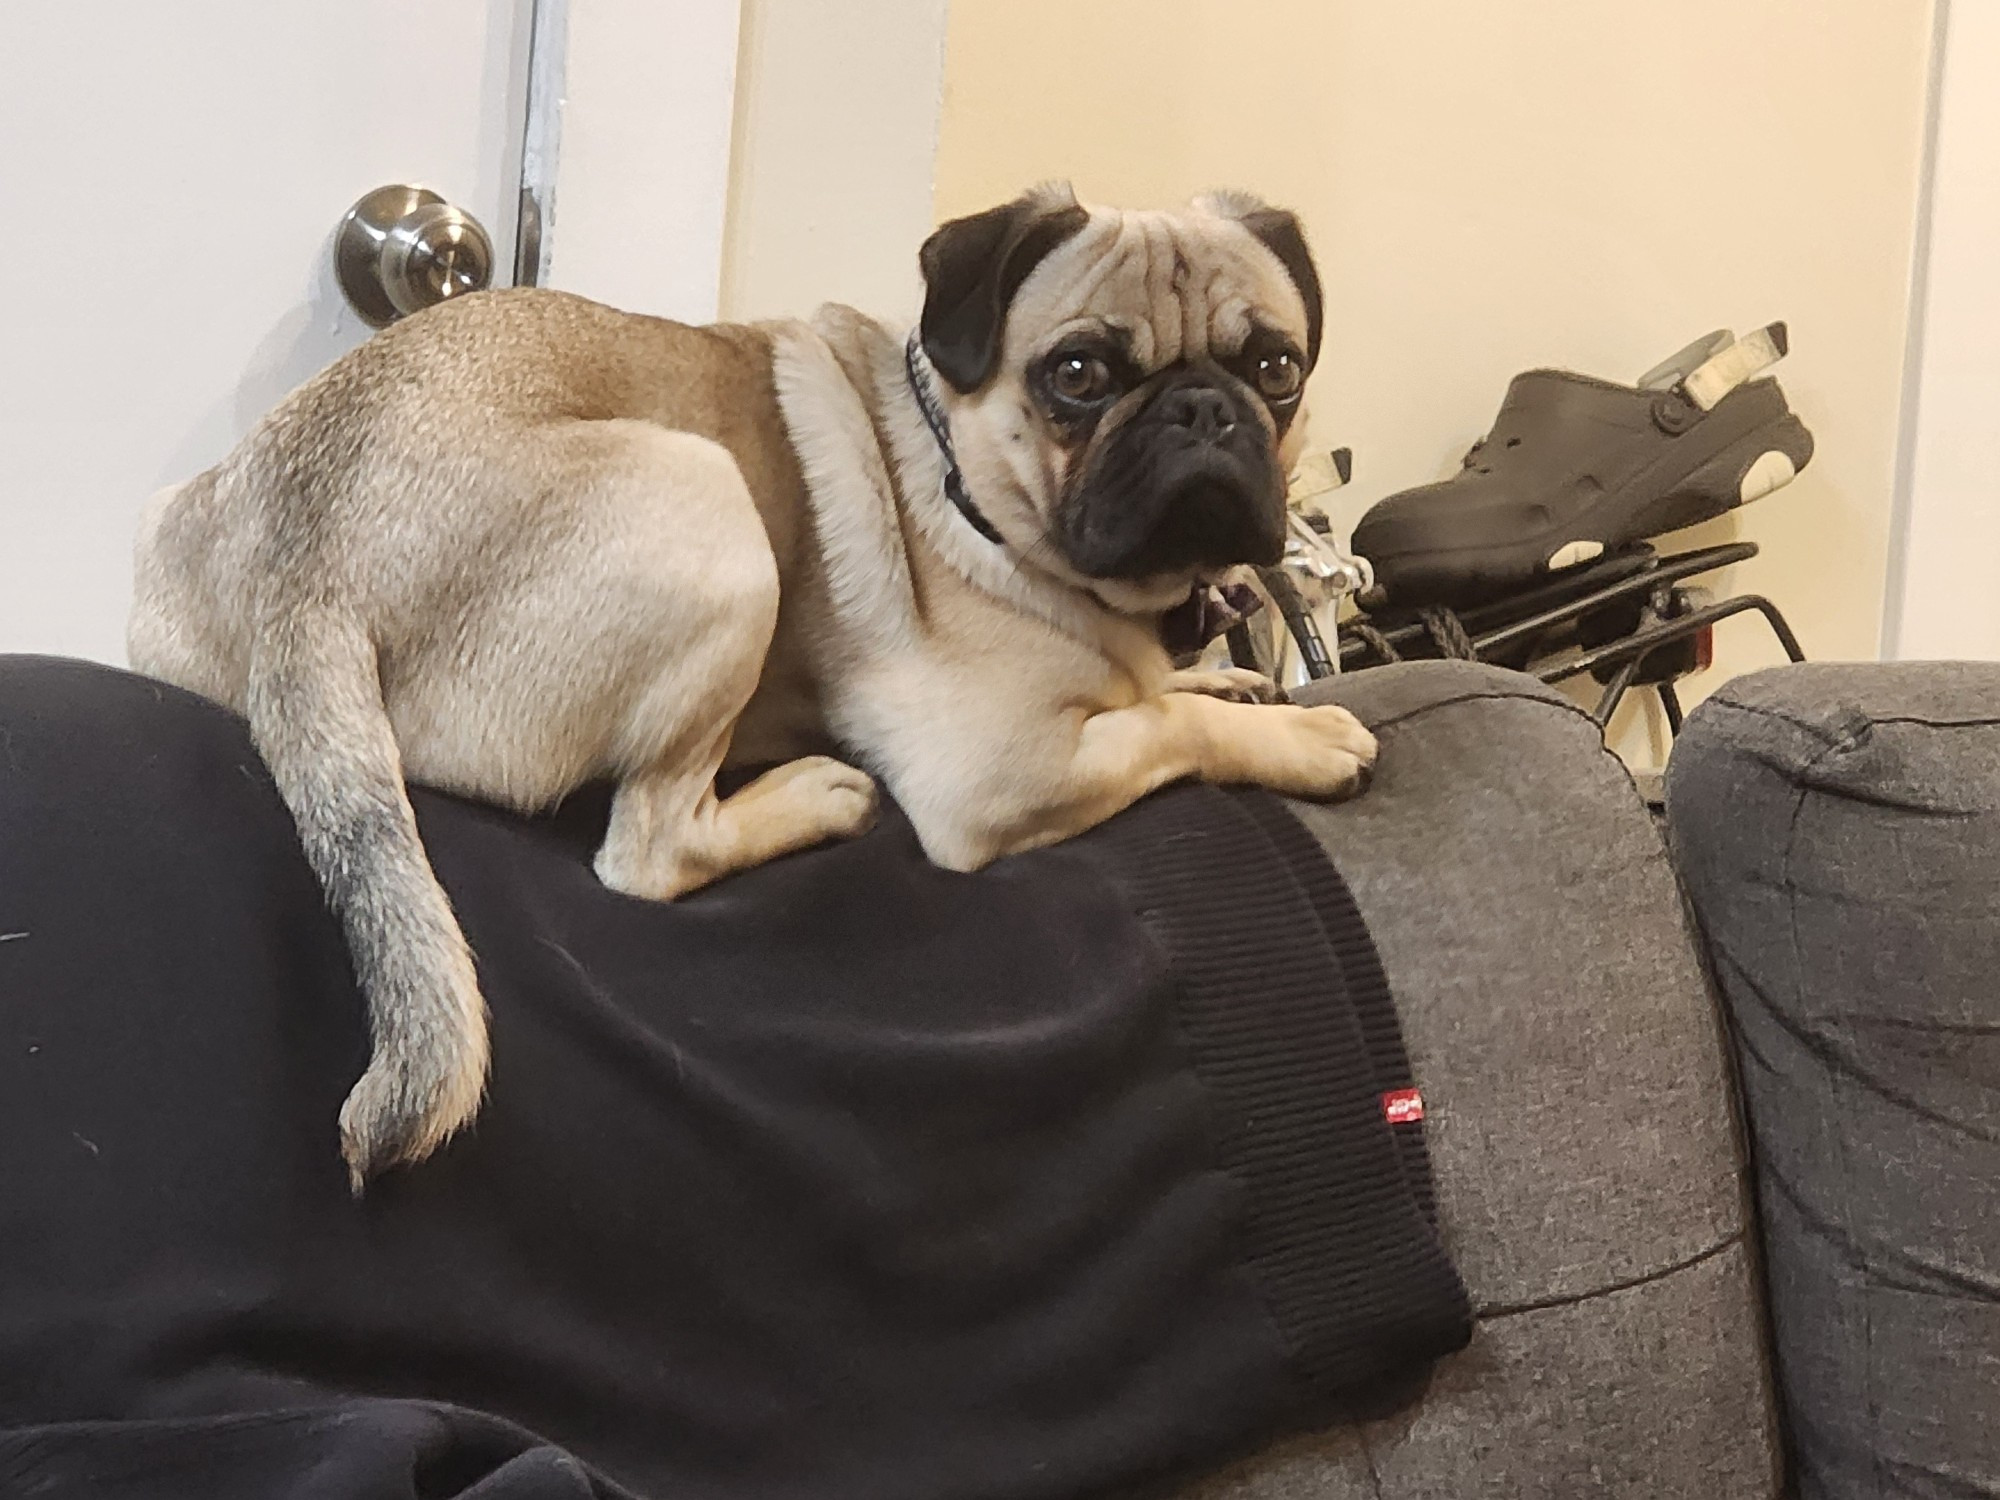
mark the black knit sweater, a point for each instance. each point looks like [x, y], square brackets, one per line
[848, 1179]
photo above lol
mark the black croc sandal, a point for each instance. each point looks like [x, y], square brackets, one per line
[1575, 468]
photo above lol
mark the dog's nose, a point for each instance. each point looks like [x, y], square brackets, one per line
[1204, 412]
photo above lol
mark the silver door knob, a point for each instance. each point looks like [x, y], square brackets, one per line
[402, 249]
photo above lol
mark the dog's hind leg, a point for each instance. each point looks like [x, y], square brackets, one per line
[670, 832]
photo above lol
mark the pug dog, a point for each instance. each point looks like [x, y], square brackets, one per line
[521, 542]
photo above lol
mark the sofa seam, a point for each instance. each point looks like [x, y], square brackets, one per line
[1836, 1090]
[1557, 702]
[1551, 699]
[1632, 1283]
[1985, 722]
[1827, 737]
[1831, 736]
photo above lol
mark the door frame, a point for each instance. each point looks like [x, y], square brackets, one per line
[625, 156]
[1940, 599]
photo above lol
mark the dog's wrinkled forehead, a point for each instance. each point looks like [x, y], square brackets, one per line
[1170, 286]
[999, 286]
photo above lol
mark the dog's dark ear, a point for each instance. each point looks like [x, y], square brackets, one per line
[1283, 236]
[972, 268]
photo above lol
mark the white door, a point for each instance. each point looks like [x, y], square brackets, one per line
[172, 176]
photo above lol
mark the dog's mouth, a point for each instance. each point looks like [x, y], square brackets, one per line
[1179, 482]
[1196, 513]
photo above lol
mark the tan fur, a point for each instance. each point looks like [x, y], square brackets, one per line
[544, 542]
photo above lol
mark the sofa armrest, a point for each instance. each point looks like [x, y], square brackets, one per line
[1579, 1112]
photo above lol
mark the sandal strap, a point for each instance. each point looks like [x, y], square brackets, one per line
[1715, 364]
[1682, 363]
[1728, 368]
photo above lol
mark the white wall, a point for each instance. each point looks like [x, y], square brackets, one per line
[1944, 598]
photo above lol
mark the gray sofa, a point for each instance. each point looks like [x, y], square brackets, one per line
[1685, 1288]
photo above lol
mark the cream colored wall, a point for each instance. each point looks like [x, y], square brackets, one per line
[835, 135]
[1580, 183]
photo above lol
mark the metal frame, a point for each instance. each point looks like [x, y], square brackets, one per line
[1495, 627]
[1489, 634]
[1630, 654]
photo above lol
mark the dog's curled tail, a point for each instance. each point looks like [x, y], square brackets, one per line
[314, 702]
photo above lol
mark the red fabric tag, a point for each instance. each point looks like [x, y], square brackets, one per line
[1402, 1106]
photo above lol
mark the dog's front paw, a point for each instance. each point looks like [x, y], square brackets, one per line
[412, 1099]
[1233, 684]
[1321, 753]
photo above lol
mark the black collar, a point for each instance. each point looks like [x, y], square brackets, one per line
[919, 370]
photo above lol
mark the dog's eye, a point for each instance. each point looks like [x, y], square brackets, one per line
[1080, 377]
[1279, 376]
